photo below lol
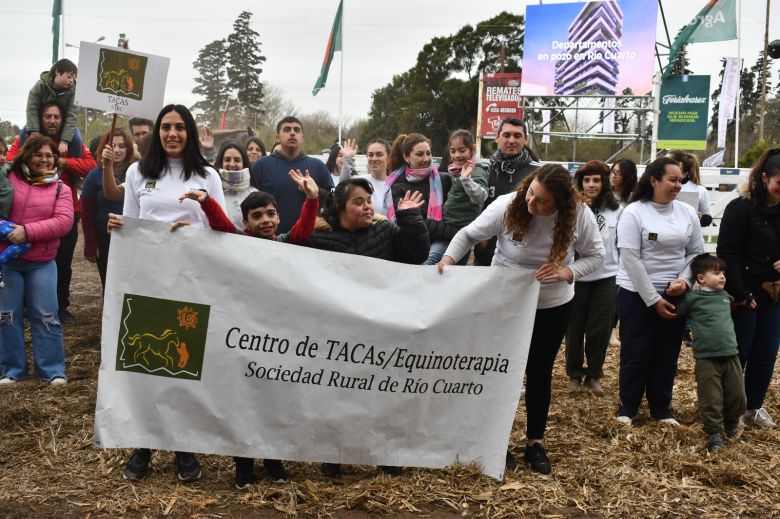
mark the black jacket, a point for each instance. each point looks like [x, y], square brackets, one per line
[437, 230]
[406, 242]
[749, 243]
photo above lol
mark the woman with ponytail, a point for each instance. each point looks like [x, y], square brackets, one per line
[691, 183]
[539, 226]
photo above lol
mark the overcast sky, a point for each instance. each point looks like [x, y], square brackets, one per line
[381, 38]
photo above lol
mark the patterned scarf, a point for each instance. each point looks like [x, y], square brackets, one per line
[435, 194]
[35, 180]
[454, 170]
[234, 181]
[509, 165]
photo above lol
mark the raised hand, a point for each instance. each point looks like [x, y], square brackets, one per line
[349, 147]
[410, 201]
[305, 183]
[194, 194]
[107, 156]
[207, 141]
[468, 168]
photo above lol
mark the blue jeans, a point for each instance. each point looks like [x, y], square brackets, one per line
[33, 284]
[758, 337]
[438, 248]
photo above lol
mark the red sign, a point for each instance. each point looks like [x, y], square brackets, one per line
[500, 99]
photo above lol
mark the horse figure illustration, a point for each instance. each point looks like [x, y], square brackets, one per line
[162, 346]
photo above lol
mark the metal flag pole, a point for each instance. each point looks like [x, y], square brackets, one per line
[341, 74]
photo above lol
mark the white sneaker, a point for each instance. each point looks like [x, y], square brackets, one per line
[670, 421]
[58, 381]
[625, 420]
[758, 417]
[6, 380]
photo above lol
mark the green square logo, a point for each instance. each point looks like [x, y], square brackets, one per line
[121, 73]
[162, 337]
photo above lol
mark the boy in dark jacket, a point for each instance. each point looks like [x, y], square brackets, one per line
[58, 85]
[719, 384]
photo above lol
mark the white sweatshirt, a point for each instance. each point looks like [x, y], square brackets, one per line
[532, 252]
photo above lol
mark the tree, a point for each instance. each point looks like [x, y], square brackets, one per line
[8, 129]
[439, 94]
[244, 66]
[211, 82]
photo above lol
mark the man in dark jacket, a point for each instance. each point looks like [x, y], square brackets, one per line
[271, 173]
[509, 165]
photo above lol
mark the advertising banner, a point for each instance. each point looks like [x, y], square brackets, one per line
[728, 96]
[500, 99]
[684, 106]
[226, 344]
[120, 81]
[592, 48]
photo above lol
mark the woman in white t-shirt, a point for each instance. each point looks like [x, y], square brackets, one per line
[691, 183]
[172, 166]
[378, 155]
[622, 179]
[593, 306]
[658, 236]
[539, 226]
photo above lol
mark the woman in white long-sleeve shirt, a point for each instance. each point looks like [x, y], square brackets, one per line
[691, 183]
[539, 226]
[658, 236]
[172, 166]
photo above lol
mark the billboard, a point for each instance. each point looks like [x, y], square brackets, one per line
[499, 99]
[684, 105]
[593, 48]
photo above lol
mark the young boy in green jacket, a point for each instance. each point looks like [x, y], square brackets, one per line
[58, 85]
[719, 384]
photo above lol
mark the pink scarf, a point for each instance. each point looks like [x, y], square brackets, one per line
[435, 193]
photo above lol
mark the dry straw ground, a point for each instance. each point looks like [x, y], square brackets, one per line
[50, 467]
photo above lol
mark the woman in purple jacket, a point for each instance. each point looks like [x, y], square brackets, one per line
[42, 208]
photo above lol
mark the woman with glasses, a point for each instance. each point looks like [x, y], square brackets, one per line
[622, 180]
[42, 210]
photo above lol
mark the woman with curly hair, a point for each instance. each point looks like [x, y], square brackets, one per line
[594, 294]
[749, 241]
[657, 237]
[539, 226]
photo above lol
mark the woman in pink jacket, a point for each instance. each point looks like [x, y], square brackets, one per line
[42, 208]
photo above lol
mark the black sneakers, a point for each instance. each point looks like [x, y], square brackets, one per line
[715, 443]
[537, 458]
[66, 317]
[245, 473]
[331, 470]
[137, 467]
[391, 470]
[275, 471]
[511, 464]
[187, 467]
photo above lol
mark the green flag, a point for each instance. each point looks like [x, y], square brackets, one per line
[56, 11]
[717, 21]
[334, 45]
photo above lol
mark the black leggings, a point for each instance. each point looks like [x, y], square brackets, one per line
[549, 327]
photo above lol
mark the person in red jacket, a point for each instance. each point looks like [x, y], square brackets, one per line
[42, 210]
[73, 165]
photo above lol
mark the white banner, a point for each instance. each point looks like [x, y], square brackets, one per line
[546, 126]
[224, 344]
[608, 123]
[121, 81]
[729, 91]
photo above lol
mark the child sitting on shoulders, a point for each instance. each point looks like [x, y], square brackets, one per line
[56, 85]
[719, 384]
